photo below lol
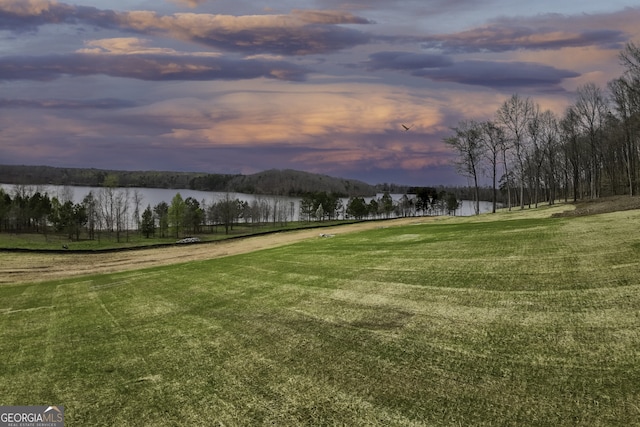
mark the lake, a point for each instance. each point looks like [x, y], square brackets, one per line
[153, 196]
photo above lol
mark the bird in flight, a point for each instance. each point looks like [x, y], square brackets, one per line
[406, 128]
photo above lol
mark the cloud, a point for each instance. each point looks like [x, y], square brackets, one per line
[26, 7]
[134, 46]
[321, 128]
[502, 39]
[330, 17]
[496, 74]
[28, 15]
[432, 7]
[67, 104]
[302, 32]
[405, 61]
[153, 67]
[541, 32]
[324, 127]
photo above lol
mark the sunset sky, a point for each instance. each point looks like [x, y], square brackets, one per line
[237, 86]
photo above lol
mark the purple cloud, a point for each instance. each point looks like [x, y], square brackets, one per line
[21, 15]
[542, 32]
[305, 40]
[146, 67]
[406, 61]
[499, 74]
[67, 104]
[298, 33]
[502, 39]
[493, 74]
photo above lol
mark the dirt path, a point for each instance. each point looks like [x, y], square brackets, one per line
[35, 267]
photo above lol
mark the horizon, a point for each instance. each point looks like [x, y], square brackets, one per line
[316, 86]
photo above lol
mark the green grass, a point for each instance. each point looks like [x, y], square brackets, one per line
[133, 239]
[33, 241]
[522, 320]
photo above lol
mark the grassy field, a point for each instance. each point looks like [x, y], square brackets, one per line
[512, 319]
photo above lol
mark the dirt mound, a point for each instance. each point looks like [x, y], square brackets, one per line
[602, 205]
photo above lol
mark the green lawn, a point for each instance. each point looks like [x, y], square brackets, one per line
[499, 320]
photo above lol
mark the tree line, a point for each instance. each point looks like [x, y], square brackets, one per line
[422, 201]
[114, 212]
[534, 156]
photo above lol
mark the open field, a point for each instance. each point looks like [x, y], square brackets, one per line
[509, 319]
[17, 267]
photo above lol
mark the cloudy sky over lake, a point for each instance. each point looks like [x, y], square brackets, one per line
[235, 86]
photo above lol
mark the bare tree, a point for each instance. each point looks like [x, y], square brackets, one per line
[468, 143]
[572, 151]
[121, 209]
[493, 140]
[549, 140]
[137, 201]
[65, 194]
[91, 206]
[515, 114]
[626, 99]
[591, 110]
[630, 59]
[228, 210]
[107, 203]
[535, 157]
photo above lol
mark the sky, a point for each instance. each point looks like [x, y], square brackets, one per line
[324, 86]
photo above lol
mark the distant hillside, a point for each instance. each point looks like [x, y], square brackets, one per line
[293, 183]
[273, 182]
